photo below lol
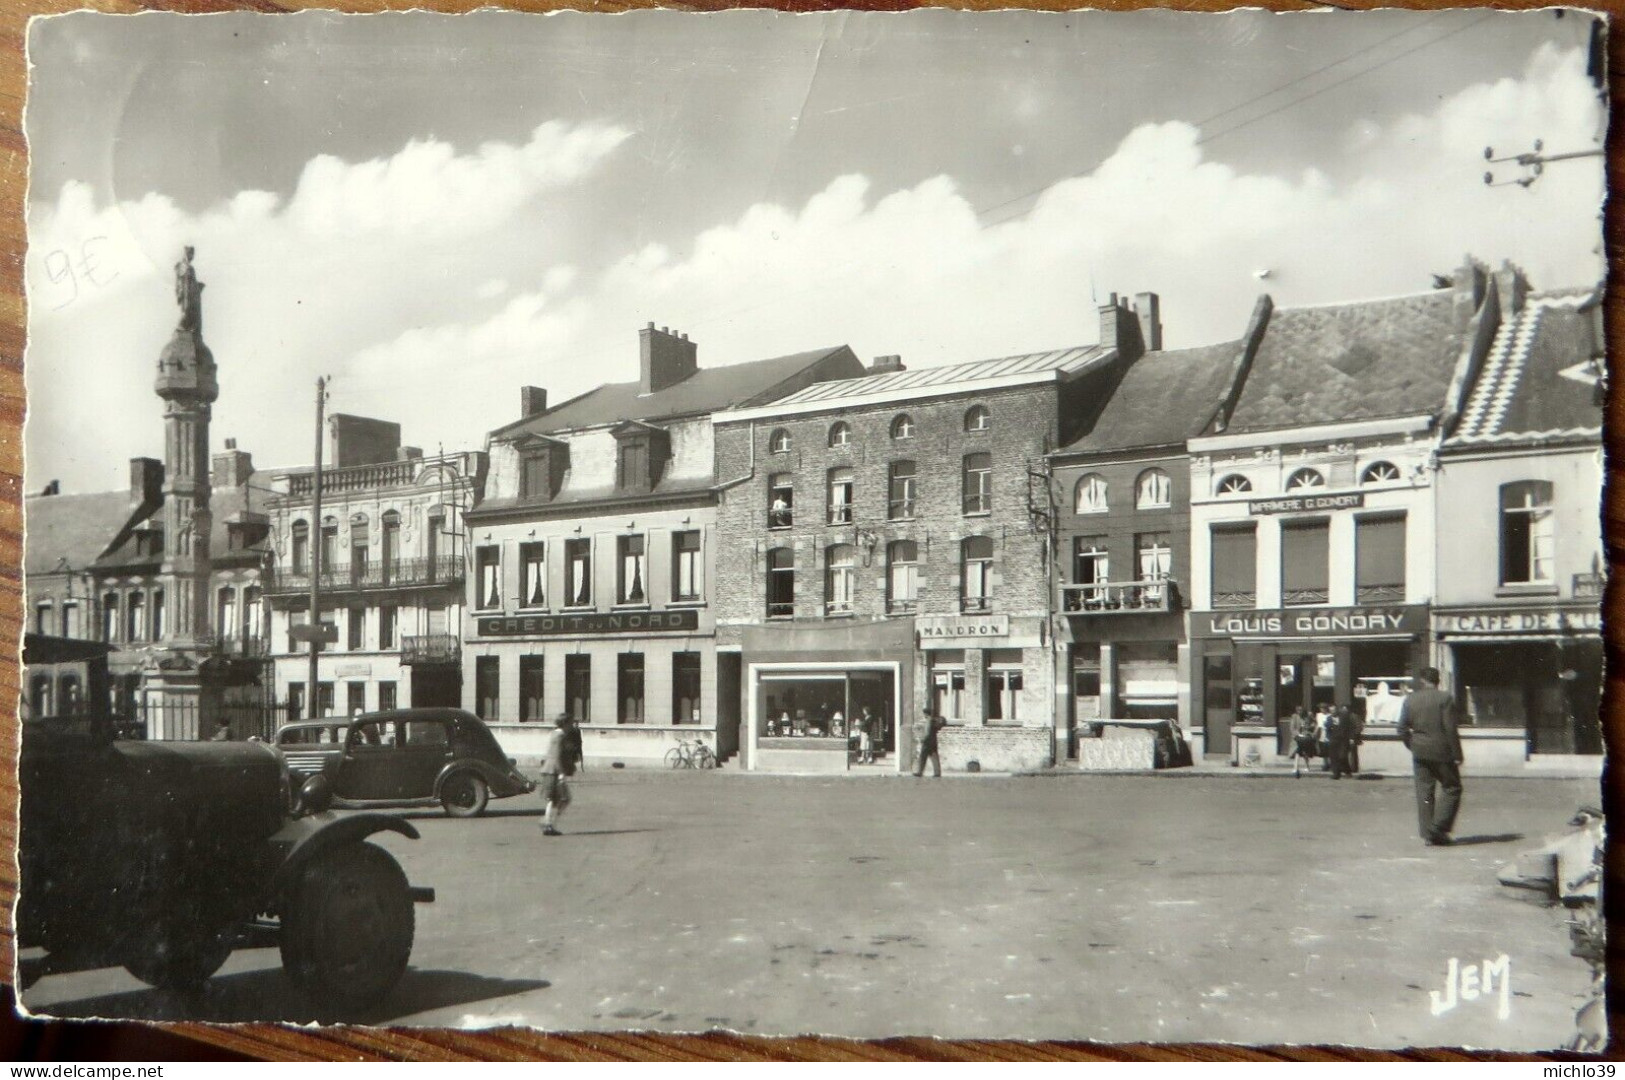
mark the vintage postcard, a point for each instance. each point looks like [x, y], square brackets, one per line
[983, 525]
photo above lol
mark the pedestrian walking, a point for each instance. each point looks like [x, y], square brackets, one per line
[1427, 727]
[1304, 744]
[926, 727]
[867, 735]
[1323, 745]
[563, 756]
[1337, 735]
[1354, 723]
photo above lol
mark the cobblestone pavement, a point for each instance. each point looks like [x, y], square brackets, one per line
[1119, 908]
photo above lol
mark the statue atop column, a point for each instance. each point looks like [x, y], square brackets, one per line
[189, 294]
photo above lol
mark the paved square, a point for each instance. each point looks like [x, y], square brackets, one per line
[1117, 908]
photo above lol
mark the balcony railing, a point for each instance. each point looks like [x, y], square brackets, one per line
[1115, 597]
[356, 478]
[1589, 586]
[430, 649]
[1235, 599]
[1380, 594]
[1304, 597]
[373, 574]
[238, 645]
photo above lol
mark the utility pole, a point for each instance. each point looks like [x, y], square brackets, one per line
[316, 537]
[1535, 162]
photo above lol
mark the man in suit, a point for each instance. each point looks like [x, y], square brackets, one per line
[1427, 727]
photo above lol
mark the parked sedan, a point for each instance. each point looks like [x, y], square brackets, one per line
[405, 757]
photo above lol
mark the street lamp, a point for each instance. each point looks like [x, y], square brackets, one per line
[1535, 161]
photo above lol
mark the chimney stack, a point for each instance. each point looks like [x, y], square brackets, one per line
[1120, 329]
[884, 365]
[1149, 309]
[1512, 289]
[146, 481]
[532, 400]
[667, 358]
[231, 467]
[1469, 283]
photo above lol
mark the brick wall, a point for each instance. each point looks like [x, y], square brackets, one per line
[995, 749]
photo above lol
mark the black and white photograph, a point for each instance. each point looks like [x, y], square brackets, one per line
[979, 525]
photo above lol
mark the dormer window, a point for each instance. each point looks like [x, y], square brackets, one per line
[542, 464]
[640, 456]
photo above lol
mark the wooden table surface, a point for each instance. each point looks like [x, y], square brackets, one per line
[65, 1041]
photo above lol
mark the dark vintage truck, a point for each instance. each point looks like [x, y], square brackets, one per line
[163, 857]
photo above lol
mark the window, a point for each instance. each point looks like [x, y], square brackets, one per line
[160, 619]
[110, 625]
[42, 617]
[358, 547]
[977, 419]
[840, 496]
[1528, 537]
[135, 618]
[840, 434]
[531, 706]
[1379, 559]
[390, 548]
[1235, 484]
[355, 698]
[1091, 569]
[70, 619]
[1379, 472]
[685, 566]
[488, 576]
[296, 701]
[1155, 557]
[1089, 497]
[1235, 566]
[1152, 490]
[1304, 556]
[902, 427]
[978, 487]
[840, 579]
[578, 572]
[433, 528]
[300, 557]
[357, 623]
[633, 464]
[40, 696]
[685, 688]
[976, 591]
[634, 573]
[781, 501]
[900, 491]
[948, 691]
[533, 575]
[253, 613]
[779, 442]
[487, 686]
[330, 542]
[578, 687]
[1004, 692]
[902, 575]
[781, 583]
[534, 477]
[386, 627]
[1304, 479]
[296, 619]
[324, 699]
[629, 688]
[225, 613]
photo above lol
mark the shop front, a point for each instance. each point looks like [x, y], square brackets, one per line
[1528, 677]
[1126, 668]
[1258, 667]
[990, 676]
[809, 690]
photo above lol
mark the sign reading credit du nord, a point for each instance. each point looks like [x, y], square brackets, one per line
[1311, 622]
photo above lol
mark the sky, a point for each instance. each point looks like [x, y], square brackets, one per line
[436, 210]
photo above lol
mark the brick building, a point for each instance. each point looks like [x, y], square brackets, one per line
[595, 556]
[1122, 496]
[393, 554]
[889, 553]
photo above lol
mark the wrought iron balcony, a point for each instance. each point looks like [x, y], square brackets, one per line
[1380, 594]
[1590, 586]
[370, 575]
[431, 649]
[1120, 597]
[1235, 600]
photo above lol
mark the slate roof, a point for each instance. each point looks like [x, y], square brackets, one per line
[707, 390]
[224, 502]
[71, 528]
[1538, 382]
[923, 380]
[1163, 398]
[599, 496]
[1359, 361]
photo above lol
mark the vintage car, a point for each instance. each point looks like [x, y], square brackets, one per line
[163, 857]
[405, 757]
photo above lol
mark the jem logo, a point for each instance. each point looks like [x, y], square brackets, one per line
[1473, 981]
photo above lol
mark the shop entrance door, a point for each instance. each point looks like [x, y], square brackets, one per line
[1307, 680]
[872, 690]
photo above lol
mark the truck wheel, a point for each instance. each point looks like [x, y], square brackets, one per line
[179, 954]
[347, 927]
[464, 794]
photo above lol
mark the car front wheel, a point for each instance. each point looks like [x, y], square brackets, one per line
[464, 795]
[347, 926]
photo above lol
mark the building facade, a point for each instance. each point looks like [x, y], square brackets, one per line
[392, 551]
[1517, 619]
[1312, 515]
[594, 558]
[890, 554]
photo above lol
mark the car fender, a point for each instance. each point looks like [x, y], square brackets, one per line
[492, 776]
[310, 839]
